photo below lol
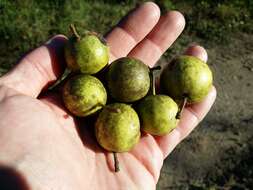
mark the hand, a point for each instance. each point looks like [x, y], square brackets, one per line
[40, 139]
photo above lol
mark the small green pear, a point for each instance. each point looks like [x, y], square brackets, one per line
[187, 77]
[86, 54]
[84, 95]
[128, 79]
[157, 114]
[117, 128]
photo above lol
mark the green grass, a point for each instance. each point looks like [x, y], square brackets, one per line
[26, 23]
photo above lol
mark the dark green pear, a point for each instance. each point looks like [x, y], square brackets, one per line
[117, 128]
[157, 114]
[83, 95]
[187, 77]
[128, 79]
[87, 53]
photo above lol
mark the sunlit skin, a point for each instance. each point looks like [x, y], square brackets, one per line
[40, 139]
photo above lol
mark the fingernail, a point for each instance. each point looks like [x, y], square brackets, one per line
[56, 38]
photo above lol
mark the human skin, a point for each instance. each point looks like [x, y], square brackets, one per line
[53, 150]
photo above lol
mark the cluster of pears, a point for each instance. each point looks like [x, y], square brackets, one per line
[125, 100]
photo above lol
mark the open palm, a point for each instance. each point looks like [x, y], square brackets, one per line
[53, 150]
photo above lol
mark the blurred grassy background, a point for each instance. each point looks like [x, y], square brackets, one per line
[26, 23]
[218, 155]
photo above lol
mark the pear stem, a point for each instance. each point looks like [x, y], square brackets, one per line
[156, 68]
[179, 114]
[58, 83]
[74, 32]
[116, 162]
[152, 79]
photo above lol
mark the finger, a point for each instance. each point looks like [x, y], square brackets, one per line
[197, 51]
[132, 29]
[37, 69]
[167, 30]
[191, 115]
[146, 149]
